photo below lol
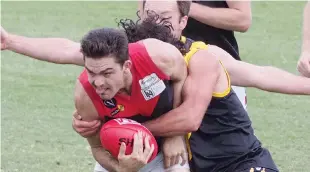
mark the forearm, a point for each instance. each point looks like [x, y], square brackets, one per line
[55, 50]
[178, 121]
[280, 81]
[223, 18]
[105, 159]
[306, 29]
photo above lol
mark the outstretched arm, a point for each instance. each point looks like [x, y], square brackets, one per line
[266, 78]
[304, 61]
[197, 92]
[237, 17]
[306, 28]
[54, 50]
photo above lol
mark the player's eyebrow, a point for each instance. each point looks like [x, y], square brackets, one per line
[103, 71]
[164, 12]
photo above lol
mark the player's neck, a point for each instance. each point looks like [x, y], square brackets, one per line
[127, 84]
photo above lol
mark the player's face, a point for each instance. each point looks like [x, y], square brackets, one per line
[105, 75]
[170, 11]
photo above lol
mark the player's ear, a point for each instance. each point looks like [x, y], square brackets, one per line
[183, 22]
[127, 65]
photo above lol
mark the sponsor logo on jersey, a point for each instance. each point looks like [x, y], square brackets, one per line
[151, 86]
[110, 103]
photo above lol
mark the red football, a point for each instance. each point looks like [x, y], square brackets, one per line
[120, 130]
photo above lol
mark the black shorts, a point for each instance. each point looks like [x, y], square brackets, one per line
[257, 169]
[257, 159]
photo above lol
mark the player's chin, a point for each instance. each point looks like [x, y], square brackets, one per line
[107, 95]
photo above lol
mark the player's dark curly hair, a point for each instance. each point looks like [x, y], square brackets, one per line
[151, 27]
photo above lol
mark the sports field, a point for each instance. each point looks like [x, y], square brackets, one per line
[37, 97]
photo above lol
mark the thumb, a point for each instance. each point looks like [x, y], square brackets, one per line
[122, 150]
[2, 46]
[76, 115]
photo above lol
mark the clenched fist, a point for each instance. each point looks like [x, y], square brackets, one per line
[304, 64]
[4, 39]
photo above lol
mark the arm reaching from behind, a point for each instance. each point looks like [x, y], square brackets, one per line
[204, 72]
[171, 62]
[266, 78]
[54, 50]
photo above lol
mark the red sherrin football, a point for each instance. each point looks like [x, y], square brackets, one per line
[120, 130]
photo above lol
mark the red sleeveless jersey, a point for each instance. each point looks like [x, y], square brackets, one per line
[151, 94]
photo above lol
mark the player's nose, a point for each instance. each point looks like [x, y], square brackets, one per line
[99, 83]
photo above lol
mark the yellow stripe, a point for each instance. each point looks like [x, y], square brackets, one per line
[199, 45]
[193, 49]
[187, 137]
[183, 39]
[228, 89]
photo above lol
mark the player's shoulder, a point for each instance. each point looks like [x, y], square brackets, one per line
[80, 95]
[159, 50]
[152, 42]
[202, 58]
[83, 102]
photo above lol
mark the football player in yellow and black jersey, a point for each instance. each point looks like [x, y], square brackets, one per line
[222, 138]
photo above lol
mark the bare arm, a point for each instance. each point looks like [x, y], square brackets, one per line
[171, 62]
[266, 78]
[197, 92]
[54, 50]
[306, 28]
[88, 112]
[140, 6]
[237, 17]
[303, 65]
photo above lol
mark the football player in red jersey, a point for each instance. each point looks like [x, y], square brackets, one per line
[143, 81]
[135, 76]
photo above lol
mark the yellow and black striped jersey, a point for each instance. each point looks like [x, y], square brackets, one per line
[225, 135]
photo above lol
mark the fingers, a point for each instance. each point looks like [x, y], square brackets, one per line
[167, 162]
[171, 161]
[2, 46]
[150, 152]
[87, 134]
[122, 150]
[144, 154]
[175, 160]
[86, 124]
[76, 115]
[304, 65]
[184, 158]
[138, 143]
[85, 128]
[147, 146]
